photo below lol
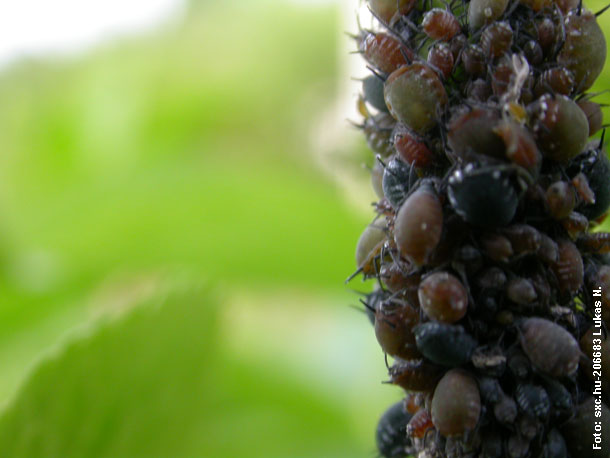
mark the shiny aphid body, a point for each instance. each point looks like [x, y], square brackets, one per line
[486, 242]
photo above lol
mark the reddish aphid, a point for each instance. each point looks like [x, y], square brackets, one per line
[414, 402]
[524, 238]
[583, 189]
[456, 404]
[473, 59]
[497, 247]
[575, 224]
[558, 80]
[415, 375]
[496, 39]
[394, 330]
[419, 225]
[385, 52]
[550, 348]
[520, 145]
[441, 59]
[420, 424]
[440, 24]
[412, 149]
[568, 269]
[597, 242]
[443, 297]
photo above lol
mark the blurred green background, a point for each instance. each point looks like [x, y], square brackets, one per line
[172, 250]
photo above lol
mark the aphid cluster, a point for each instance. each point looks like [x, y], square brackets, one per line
[482, 250]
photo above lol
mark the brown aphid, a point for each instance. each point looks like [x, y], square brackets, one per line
[502, 76]
[560, 199]
[420, 424]
[478, 90]
[441, 59]
[595, 242]
[497, 247]
[548, 251]
[369, 246]
[568, 269]
[385, 52]
[394, 330]
[584, 191]
[520, 145]
[524, 238]
[472, 132]
[456, 404]
[443, 297]
[440, 24]
[533, 52]
[419, 225]
[557, 80]
[593, 112]
[412, 149]
[521, 291]
[496, 39]
[386, 10]
[560, 126]
[575, 224]
[551, 349]
[505, 411]
[547, 34]
[474, 60]
[415, 375]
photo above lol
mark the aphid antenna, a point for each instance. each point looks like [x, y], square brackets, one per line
[562, 38]
[602, 11]
[378, 158]
[368, 306]
[385, 359]
[377, 74]
[354, 275]
[355, 124]
[601, 139]
[579, 9]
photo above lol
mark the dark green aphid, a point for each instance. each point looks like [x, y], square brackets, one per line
[378, 133]
[484, 12]
[596, 167]
[444, 344]
[396, 178]
[372, 90]
[391, 435]
[533, 400]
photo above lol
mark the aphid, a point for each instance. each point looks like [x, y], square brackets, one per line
[456, 403]
[596, 167]
[377, 132]
[385, 52]
[491, 391]
[457, 44]
[558, 80]
[492, 278]
[533, 52]
[518, 364]
[440, 24]
[560, 199]
[593, 112]
[529, 426]
[483, 197]
[578, 430]
[550, 348]
[548, 251]
[442, 297]
[415, 375]
[555, 446]
[502, 76]
[560, 126]
[568, 269]
[496, 39]
[521, 291]
[472, 132]
[520, 145]
[473, 59]
[372, 90]
[394, 330]
[369, 246]
[414, 95]
[419, 225]
[584, 50]
[441, 59]
[484, 12]
[560, 397]
[490, 361]
[396, 182]
[497, 247]
[533, 400]
[478, 90]
[412, 149]
[524, 238]
[505, 411]
[470, 257]
[420, 424]
[377, 179]
[575, 224]
[584, 191]
[444, 344]
[391, 435]
[386, 9]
